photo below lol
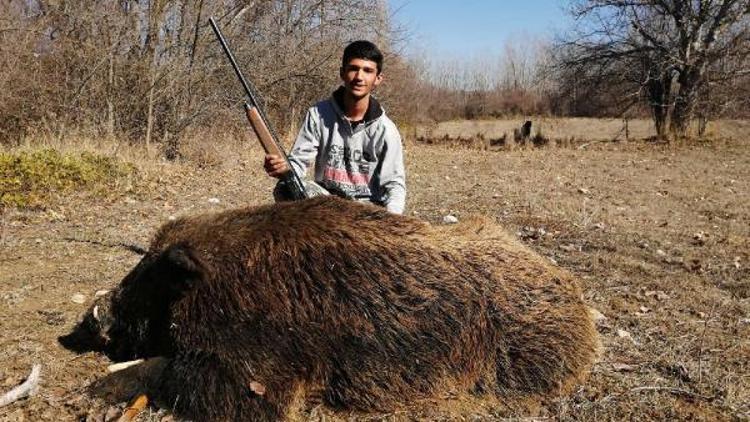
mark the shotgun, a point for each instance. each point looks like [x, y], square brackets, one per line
[258, 120]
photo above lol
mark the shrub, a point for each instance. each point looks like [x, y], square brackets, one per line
[30, 178]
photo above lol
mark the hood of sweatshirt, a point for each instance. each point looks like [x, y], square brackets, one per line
[374, 110]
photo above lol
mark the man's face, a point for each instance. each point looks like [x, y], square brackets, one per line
[360, 77]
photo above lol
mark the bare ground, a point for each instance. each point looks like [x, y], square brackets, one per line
[659, 236]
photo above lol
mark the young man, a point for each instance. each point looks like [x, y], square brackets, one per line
[355, 148]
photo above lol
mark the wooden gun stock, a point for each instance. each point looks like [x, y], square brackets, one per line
[262, 131]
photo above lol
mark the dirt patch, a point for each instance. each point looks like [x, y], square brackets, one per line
[658, 235]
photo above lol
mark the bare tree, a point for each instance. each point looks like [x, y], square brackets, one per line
[148, 71]
[666, 52]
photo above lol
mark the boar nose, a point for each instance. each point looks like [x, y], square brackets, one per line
[80, 341]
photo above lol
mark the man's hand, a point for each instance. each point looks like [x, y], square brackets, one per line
[275, 166]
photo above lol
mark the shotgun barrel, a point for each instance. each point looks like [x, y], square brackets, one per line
[259, 121]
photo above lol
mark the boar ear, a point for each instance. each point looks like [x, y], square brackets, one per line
[183, 257]
[184, 268]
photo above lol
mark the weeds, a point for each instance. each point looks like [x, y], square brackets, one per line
[29, 178]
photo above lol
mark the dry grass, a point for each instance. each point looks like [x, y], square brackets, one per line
[28, 178]
[658, 234]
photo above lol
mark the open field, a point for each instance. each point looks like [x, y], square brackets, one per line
[579, 129]
[658, 234]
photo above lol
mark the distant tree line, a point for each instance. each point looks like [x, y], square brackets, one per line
[678, 61]
[152, 72]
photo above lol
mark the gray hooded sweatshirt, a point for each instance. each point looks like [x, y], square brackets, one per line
[357, 160]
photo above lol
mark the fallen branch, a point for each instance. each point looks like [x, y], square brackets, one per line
[123, 365]
[134, 409]
[26, 389]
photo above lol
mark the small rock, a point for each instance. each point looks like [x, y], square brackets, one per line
[78, 298]
[745, 321]
[449, 219]
[214, 200]
[171, 218]
[643, 244]
[736, 262]
[644, 309]
[597, 316]
[583, 191]
[38, 240]
[495, 195]
[661, 252]
[599, 226]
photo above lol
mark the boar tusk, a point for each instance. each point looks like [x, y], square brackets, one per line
[26, 389]
[123, 365]
[96, 312]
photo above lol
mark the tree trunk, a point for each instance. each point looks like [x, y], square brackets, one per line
[110, 94]
[151, 61]
[685, 102]
[659, 91]
[150, 108]
[660, 117]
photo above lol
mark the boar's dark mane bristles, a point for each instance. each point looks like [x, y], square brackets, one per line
[373, 309]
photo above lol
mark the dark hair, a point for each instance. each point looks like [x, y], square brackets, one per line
[363, 50]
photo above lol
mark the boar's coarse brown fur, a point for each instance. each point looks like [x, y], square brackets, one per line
[366, 309]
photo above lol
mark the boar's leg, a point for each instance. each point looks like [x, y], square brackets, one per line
[549, 353]
[362, 383]
[203, 387]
